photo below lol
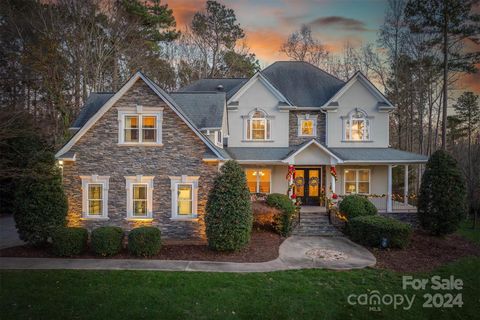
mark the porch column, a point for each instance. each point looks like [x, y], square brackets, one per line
[405, 184]
[332, 183]
[389, 188]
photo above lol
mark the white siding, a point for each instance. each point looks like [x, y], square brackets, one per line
[258, 96]
[358, 96]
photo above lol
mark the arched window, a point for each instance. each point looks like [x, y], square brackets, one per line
[357, 126]
[258, 126]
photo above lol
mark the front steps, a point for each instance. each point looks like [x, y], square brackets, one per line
[315, 224]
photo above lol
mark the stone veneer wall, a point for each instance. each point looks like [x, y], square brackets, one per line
[98, 153]
[294, 139]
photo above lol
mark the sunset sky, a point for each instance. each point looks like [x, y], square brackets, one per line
[268, 23]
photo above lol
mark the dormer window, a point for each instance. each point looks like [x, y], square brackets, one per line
[307, 125]
[258, 126]
[140, 126]
[357, 126]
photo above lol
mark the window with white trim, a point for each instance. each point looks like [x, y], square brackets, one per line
[258, 126]
[184, 196]
[356, 181]
[95, 197]
[139, 196]
[307, 125]
[357, 126]
[219, 138]
[259, 180]
[140, 126]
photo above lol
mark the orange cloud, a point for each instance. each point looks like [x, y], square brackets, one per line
[183, 10]
[266, 43]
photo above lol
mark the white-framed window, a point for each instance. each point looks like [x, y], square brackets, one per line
[307, 125]
[219, 138]
[357, 126]
[95, 197]
[184, 196]
[258, 126]
[356, 181]
[139, 197]
[259, 180]
[140, 126]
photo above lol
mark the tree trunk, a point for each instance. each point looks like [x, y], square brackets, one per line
[445, 80]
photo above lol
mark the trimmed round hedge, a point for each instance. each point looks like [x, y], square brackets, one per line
[370, 230]
[67, 242]
[353, 206]
[282, 222]
[107, 241]
[229, 217]
[144, 241]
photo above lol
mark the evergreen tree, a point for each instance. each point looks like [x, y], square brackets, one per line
[218, 31]
[468, 114]
[448, 23]
[442, 198]
[229, 214]
[40, 203]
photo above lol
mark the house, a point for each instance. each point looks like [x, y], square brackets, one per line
[142, 156]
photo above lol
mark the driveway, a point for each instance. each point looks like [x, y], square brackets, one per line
[8, 233]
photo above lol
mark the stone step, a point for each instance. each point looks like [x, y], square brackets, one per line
[315, 224]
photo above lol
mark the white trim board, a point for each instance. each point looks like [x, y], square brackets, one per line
[370, 87]
[320, 146]
[163, 95]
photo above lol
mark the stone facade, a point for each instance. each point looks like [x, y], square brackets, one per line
[294, 139]
[98, 153]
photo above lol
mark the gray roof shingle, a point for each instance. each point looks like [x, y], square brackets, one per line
[94, 102]
[205, 109]
[377, 154]
[303, 84]
[230, 85]
[253, 153]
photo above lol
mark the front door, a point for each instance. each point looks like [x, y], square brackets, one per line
[308, 183]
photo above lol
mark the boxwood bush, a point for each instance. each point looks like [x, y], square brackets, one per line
[369, 230]
[229, 218]
[107, 241]
[67, 242]
[144, 241]
[353, 206]
[283, 222]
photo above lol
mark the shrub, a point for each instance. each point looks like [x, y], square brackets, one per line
[229, 216]
[263, 215]
[369, 230]
[144, 241]
[353, 206]
[68, 242]
[442, 198]
[283, 223]
[107, 241]
[40, 203]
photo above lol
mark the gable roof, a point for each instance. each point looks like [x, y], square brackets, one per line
[303, 84]
[94, 102]
[384, 103]
[155, 88]
[230, 85]
[318, 145]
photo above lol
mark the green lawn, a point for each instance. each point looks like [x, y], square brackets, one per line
[306, 294]
[467, 231]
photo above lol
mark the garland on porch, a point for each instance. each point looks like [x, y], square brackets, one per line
[333, 172]
[291, 183]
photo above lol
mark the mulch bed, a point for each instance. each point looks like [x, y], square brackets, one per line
[263, 247]
[425, 252]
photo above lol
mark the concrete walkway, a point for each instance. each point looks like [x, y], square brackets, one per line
[8, 233]
[295, 253]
